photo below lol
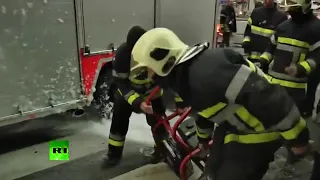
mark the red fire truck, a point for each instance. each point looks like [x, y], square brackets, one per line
[57, 55]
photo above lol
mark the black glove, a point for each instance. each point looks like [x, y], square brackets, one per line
[246, 47]
[264, 65]
[204, 150]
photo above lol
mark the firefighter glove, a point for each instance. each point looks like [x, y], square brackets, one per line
[246, 47]
[264, 64]
[292, 70]
[301, 151]
[146, 108]
[204, 150]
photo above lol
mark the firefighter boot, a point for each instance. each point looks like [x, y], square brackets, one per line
[156, 156]
[153, 153]
[113, 157]
[316, 167]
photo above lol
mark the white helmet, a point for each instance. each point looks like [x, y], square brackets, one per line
[159, 49]
[304, 4]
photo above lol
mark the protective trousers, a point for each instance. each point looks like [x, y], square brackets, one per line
[298, 95]
[313, 83]
[316, 167]
[235, 161]
[226, 39]
[120, 122]
[314, 80]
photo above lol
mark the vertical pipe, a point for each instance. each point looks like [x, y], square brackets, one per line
[83, 24]
[154, 13]
[78, 43]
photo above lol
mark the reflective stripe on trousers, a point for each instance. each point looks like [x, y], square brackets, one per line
[246, 39]
[254, 55]
[252, 138]
[267, 56]
[204, 133]
[116, 140]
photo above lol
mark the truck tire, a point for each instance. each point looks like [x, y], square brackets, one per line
[103, 96]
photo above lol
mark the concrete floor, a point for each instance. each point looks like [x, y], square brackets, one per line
[24, 148]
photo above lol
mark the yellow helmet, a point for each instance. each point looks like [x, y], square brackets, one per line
[159, 49]
[304, 4]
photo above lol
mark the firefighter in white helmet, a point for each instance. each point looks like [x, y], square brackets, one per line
[224, 88]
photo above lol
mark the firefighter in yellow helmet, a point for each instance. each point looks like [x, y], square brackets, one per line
[294, 52]
[253, 116]
[260, 27]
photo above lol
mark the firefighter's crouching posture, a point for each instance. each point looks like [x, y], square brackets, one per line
[130, 96]
[259, 29]
[253, 116]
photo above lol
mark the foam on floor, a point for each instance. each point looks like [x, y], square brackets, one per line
[149, 172]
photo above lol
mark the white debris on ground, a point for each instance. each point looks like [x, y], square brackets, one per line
[153, 171]
[277, 171]
[139, 130]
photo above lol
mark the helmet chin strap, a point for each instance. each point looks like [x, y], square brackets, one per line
[192, 52]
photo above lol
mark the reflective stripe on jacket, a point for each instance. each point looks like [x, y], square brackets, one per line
[248, 128]
[257, 109]
[292, 45]
[260, 28]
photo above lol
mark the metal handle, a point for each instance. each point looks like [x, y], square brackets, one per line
[154, 91]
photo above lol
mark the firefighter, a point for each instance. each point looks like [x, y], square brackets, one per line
[228, 23]
[294, 52]
[312, 85]
[258, 4]
[259, 29]
[224, 88]
[311, 91]
[133, 88]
